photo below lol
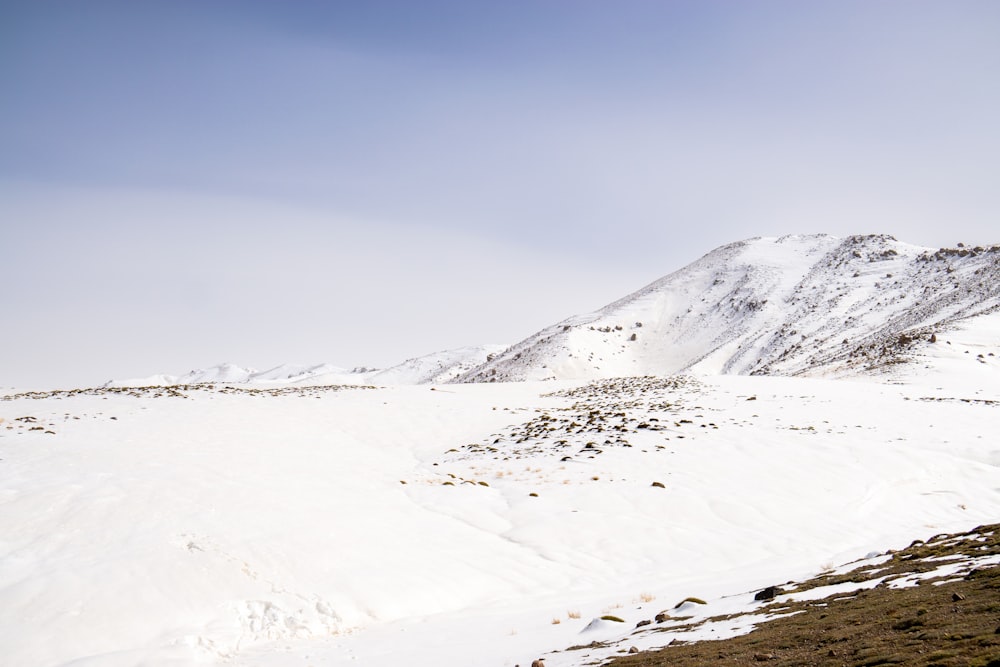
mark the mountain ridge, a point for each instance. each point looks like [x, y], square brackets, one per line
[792, 305]
[434, 368]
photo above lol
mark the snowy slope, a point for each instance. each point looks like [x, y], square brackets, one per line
[438, 367]
[477, 525]
[786, 306]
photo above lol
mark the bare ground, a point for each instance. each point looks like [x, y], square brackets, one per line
[944, 620]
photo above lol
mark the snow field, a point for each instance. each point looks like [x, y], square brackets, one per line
[358, 526]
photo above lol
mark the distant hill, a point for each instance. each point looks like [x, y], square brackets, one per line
[795, 305]
[436, 368]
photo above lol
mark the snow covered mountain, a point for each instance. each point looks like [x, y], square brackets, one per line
[227, 373]
[435, 368]
[795, 305]
[438, 367]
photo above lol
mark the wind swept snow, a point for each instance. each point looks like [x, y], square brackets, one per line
[456, 524]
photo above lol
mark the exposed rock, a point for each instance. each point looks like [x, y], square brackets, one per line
[767, 594]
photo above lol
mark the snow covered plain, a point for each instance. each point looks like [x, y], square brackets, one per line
[360, 525]
[257, 519]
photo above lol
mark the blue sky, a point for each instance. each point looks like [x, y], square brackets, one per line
[186, 183]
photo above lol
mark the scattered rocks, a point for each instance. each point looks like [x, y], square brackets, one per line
[605, 414]
[767, 594]
[182, 391]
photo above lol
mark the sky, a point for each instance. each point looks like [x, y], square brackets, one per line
[186, 183]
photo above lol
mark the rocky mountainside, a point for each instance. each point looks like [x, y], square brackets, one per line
[795, 305]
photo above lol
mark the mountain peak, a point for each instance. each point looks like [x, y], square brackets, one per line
[799, 304]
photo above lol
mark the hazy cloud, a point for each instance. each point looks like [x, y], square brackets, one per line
[201, 174]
